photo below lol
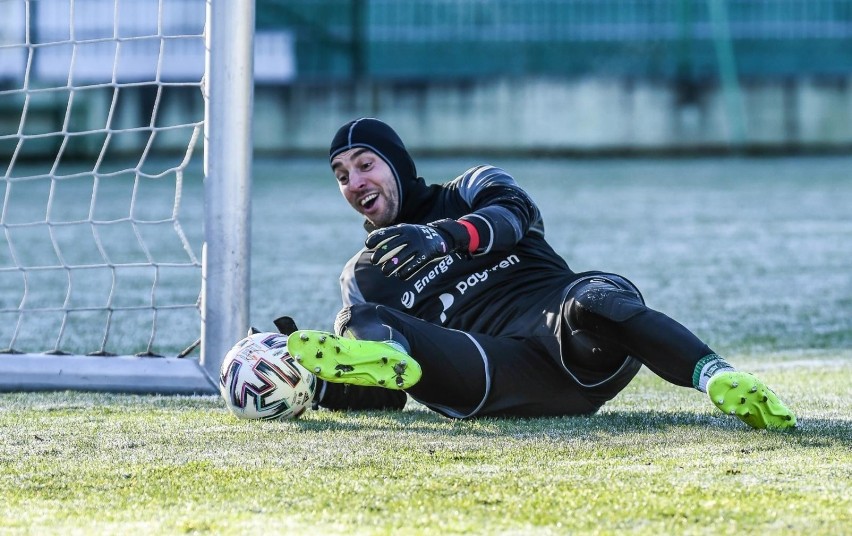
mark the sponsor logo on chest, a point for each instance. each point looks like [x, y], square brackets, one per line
[461, 286]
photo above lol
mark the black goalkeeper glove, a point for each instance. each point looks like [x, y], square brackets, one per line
[404, 249]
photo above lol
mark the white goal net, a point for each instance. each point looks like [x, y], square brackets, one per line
[103, 106]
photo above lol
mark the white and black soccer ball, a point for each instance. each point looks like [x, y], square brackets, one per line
[260, 380]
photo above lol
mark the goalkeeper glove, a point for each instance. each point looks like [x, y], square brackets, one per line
[404, 249]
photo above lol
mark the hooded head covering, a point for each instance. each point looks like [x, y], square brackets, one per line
[380, 138]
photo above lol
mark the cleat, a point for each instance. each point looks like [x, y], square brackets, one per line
[757, 406]
[298, 358]
[356, 362]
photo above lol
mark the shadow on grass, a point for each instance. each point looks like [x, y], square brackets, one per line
[818, 432]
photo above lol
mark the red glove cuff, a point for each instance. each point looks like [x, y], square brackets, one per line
[474, 235]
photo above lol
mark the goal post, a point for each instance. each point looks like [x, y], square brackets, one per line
[124, 261]
[227, 164]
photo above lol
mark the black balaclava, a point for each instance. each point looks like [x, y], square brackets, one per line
[380, 138]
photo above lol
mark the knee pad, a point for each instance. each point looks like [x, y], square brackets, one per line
[613, 298]
[592, 347]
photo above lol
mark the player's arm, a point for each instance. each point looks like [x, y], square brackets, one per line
[501, 211]
[501, 214]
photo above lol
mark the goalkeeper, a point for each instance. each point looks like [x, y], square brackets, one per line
[458, 300]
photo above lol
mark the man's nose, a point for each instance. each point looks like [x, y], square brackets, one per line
[356, 181]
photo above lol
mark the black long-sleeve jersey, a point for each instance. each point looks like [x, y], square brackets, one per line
[512, 285]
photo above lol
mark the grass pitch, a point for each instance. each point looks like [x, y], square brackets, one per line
[657, 460]
[753, 255]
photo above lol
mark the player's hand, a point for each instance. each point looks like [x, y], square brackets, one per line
[404, 249]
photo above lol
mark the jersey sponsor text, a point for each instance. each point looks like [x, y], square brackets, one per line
[478, 277]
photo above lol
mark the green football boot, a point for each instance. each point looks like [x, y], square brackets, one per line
[743, 395]
[342, 360]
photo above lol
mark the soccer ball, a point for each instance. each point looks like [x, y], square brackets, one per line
[260, 380]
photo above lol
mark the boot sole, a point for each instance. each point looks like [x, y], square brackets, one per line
[744, 396]
[341, 360]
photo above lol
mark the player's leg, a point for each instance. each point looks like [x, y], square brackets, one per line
[336, 396]
[378, 346]
[610, 310]
[462, 374]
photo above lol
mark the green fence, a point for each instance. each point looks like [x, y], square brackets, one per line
[690, 39]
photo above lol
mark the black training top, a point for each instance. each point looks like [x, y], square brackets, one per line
[513, 283]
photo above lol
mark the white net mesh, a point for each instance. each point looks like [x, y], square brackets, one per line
[101, 114]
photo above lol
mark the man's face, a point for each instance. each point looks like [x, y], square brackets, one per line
[368, 184]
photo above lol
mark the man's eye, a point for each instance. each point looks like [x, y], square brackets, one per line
[342, 179]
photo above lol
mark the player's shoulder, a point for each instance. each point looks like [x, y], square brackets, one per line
[483, 174]
[478, 179]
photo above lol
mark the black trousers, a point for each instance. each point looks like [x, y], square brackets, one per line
[605, 335]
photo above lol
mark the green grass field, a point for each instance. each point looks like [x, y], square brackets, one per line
[657, 460]
[753, 255]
